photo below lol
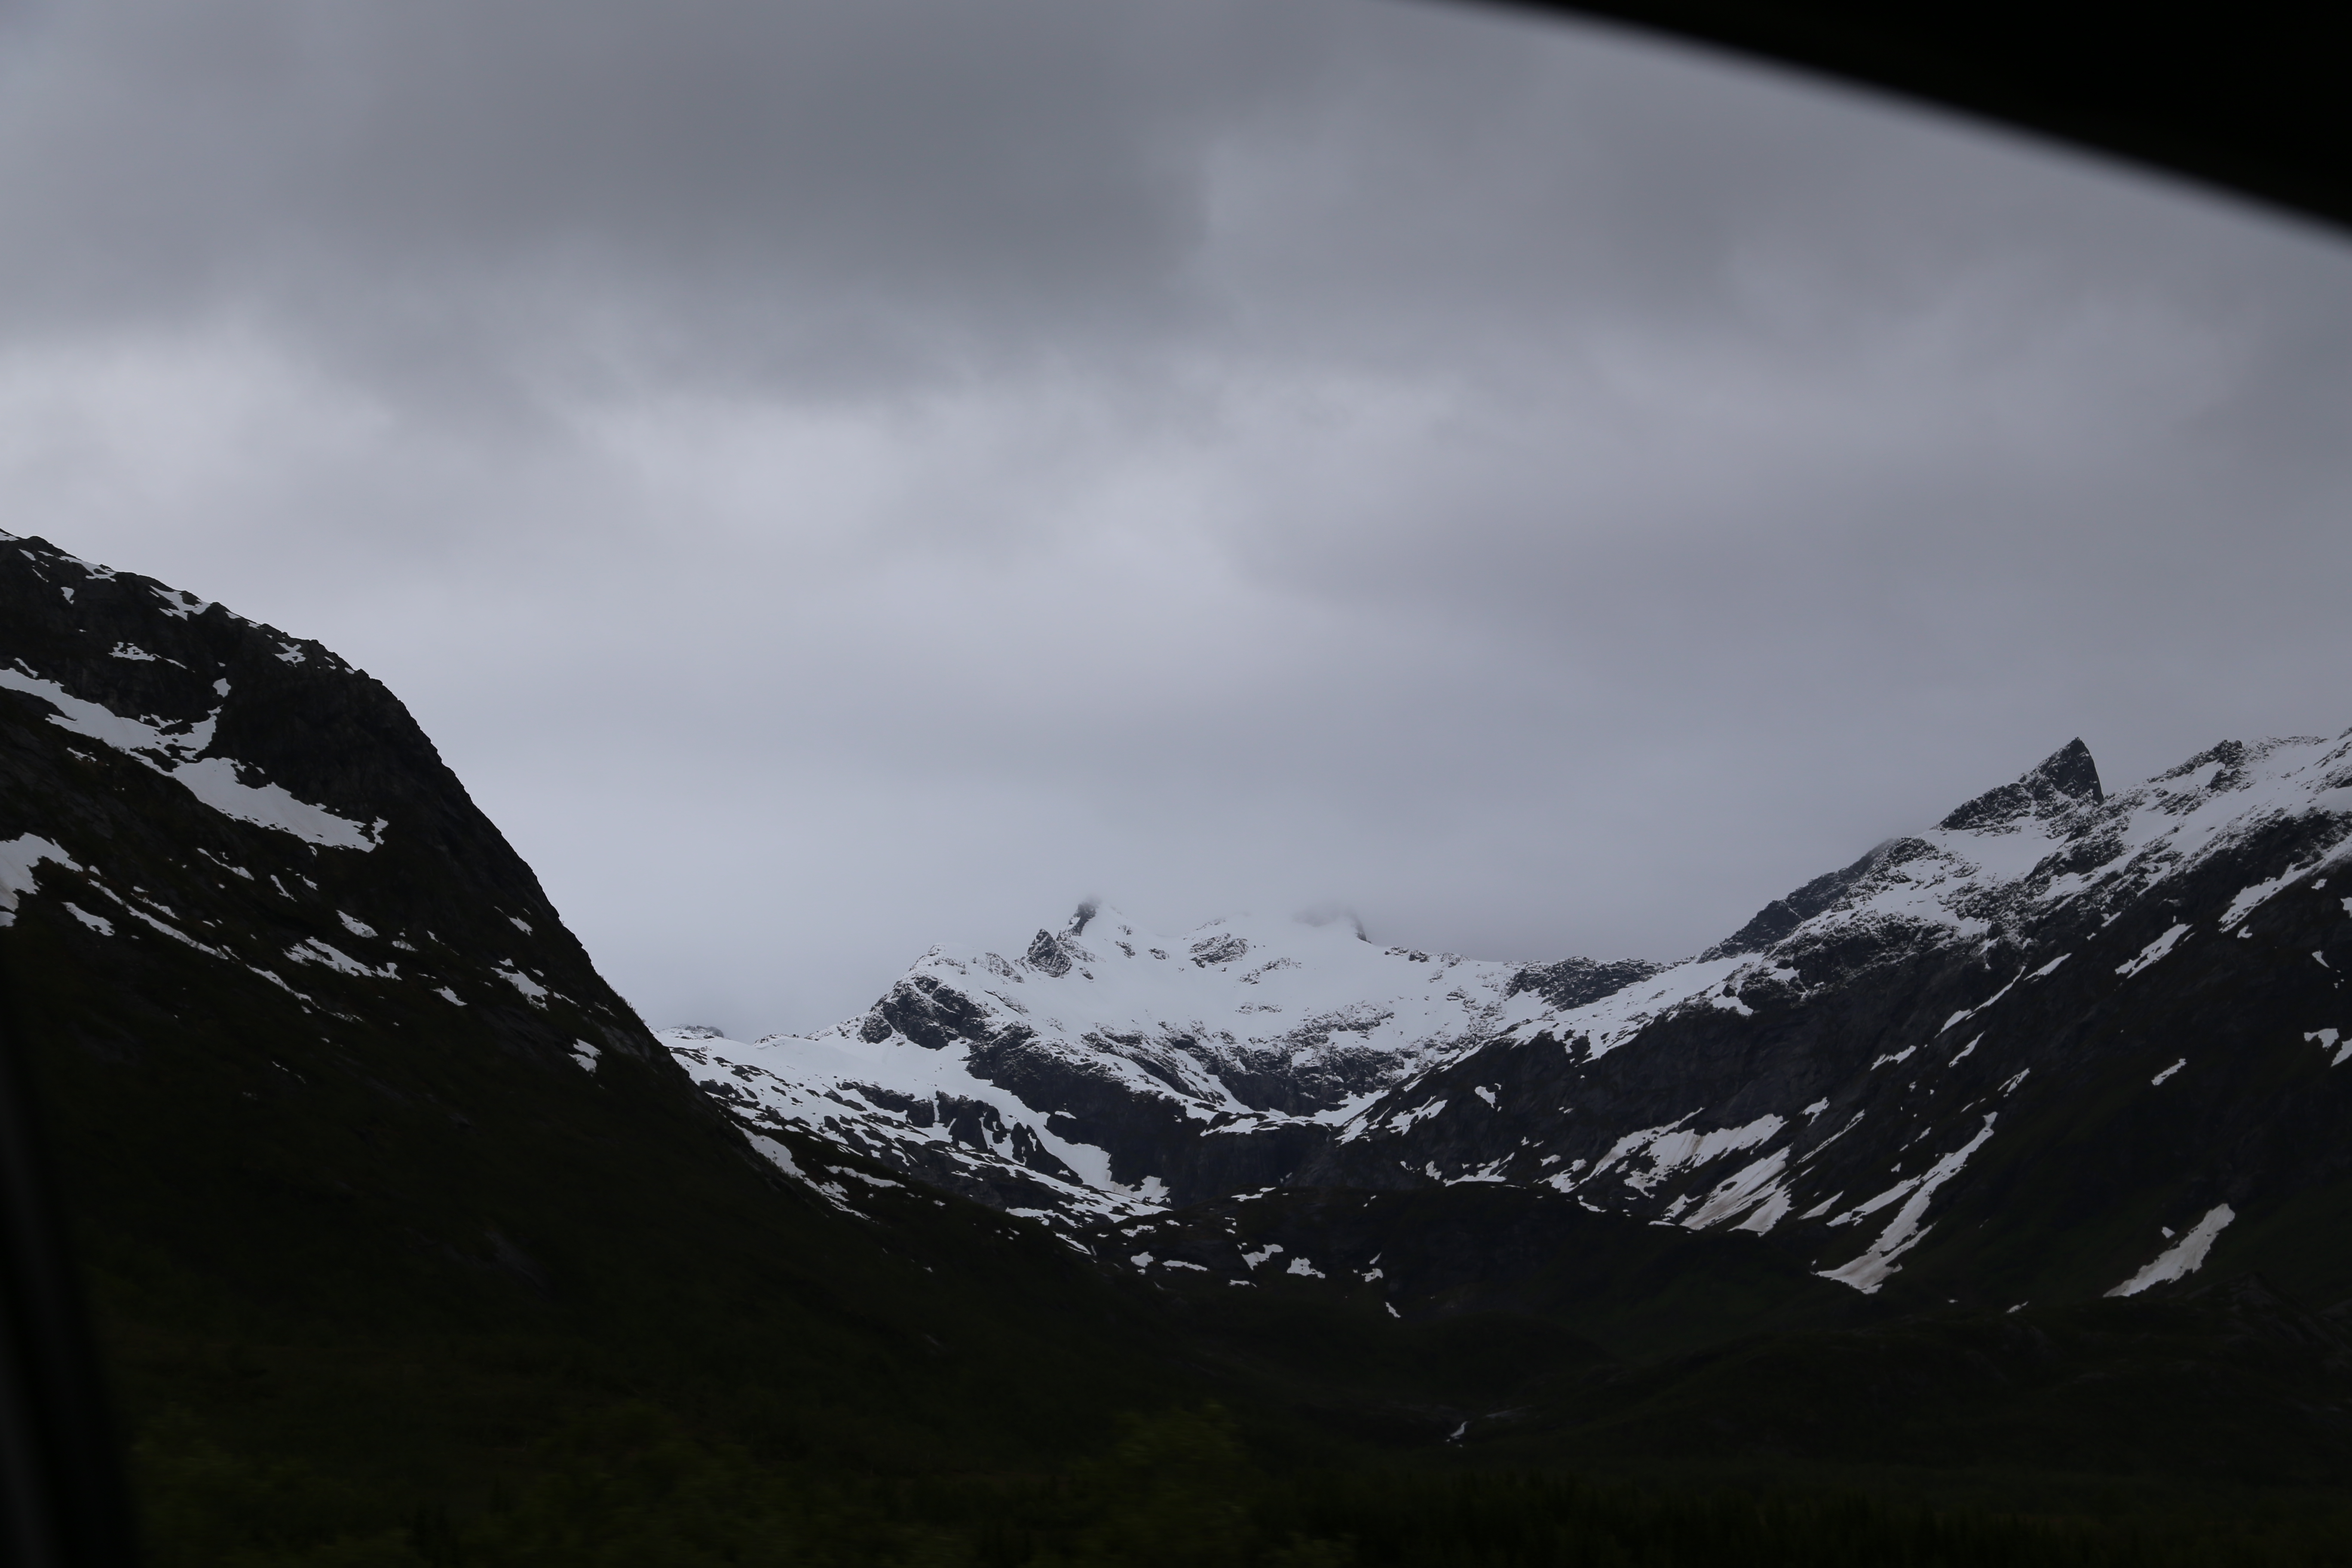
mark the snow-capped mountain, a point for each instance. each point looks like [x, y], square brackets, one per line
[2058, 1044]
[1106, 1070]
[1972, 1030]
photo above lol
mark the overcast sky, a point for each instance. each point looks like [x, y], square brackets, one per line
[839, 477]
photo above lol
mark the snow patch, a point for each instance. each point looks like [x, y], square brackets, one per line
[176, 750]
[2183, 1257]
[1755, 1185]
[214, 780]
[179, 603]
[18, 857]
[781, 1158]
[532, 991]
[2152, 952]
[1672, 1149]
[177, 934]
[1421, 1112]
[1904, 1231]
[310, 950]
[2249, 900]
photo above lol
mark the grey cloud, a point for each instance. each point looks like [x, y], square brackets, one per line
[804, 193]
[840, 476]
[832, 183]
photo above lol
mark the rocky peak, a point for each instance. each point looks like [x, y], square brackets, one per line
[1783, 915]
[2065, 779]
[1051, 954]
[2061, 784]
[1574, 981]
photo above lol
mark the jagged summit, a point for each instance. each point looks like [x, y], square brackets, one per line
[1573, 981]
[2065, 779]
[1783, 915]
[1085, 1071]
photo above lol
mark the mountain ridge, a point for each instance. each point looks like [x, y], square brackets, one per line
[1973, 920]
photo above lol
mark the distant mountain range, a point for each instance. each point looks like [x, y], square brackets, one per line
[2058, 1045]
[1103, 1072]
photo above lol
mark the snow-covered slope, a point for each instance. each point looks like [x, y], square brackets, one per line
[1941, 1024]
[1241, 1018]
[923, 1113]
[1103, 1067]
[1998, 867]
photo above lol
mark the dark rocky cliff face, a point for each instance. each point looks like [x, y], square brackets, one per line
[182, 783]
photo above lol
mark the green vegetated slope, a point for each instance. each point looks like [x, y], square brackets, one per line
[408, 1244]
